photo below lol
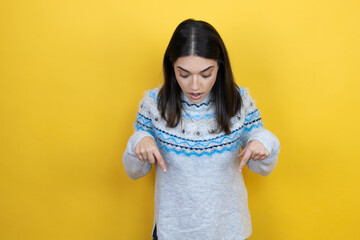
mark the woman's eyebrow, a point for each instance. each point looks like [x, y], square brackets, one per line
[200, 71]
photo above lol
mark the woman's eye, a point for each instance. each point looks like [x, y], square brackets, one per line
[184, 76]
[206, 76]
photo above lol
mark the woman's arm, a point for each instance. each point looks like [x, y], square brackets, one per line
[135, 168]
[254, 130]
[272, 145]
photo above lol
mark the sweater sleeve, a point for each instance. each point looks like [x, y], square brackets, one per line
[254, 130]
[134, 168]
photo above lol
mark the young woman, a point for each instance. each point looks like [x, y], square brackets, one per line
[192, 128]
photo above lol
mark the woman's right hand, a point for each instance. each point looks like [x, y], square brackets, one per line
[147, 151]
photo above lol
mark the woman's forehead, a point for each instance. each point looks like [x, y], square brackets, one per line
[194, 63]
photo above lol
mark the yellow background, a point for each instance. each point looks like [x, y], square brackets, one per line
[73, 72]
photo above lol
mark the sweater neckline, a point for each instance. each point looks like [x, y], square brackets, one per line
[206, 103]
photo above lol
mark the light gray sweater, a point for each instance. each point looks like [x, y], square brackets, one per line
[202, 195]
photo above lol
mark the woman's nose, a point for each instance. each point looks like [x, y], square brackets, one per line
[195, 83]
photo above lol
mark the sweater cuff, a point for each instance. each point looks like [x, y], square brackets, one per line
[266, 138]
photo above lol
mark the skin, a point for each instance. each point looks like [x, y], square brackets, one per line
[254, 150]
[196, 76]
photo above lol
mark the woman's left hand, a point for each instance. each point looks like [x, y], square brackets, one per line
[254, 150]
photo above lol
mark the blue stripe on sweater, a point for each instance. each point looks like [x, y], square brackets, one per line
[246, 125]
[202, 153]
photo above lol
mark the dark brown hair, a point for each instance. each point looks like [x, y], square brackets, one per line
[198, 38]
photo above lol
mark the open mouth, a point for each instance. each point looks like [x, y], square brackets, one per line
[195, 95]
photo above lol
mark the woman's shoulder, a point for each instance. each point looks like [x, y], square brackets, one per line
[248, 101]
[150, 100]
[242, 90]
[151, 95]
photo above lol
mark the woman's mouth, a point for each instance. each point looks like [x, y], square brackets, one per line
[195, 96]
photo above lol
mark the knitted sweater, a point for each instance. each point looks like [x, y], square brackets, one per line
[201, 195]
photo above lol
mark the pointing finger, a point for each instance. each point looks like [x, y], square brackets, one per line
[244, 160]
[160, 161]
[242, 153]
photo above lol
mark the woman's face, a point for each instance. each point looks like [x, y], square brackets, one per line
[196, 76]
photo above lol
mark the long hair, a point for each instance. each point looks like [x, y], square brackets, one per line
[198, 38]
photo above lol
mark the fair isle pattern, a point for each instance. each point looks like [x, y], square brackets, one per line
[197, 117]
[171, 141]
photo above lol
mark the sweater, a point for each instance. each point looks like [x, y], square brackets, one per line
[202, 194]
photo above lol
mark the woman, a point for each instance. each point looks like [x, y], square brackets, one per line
[192, 128]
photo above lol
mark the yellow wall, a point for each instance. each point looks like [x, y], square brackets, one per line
[72, 74]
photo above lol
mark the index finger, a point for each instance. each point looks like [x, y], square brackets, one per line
[244, 160]
[160, 160]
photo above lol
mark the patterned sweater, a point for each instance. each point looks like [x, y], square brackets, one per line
[202, 195]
